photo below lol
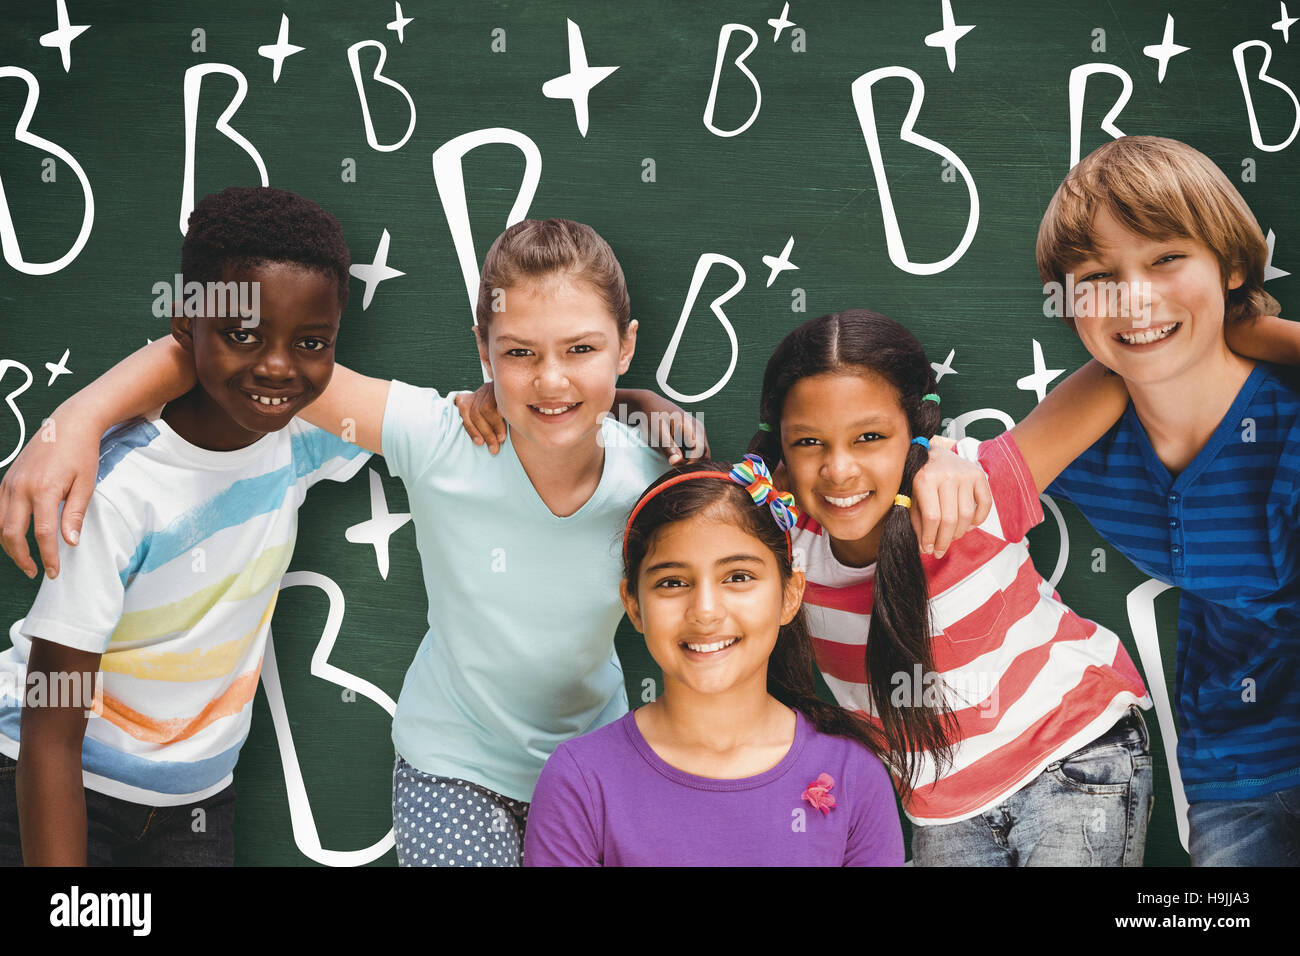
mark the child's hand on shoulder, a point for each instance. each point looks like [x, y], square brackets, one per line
[680, 436]
[479, 415]
[665, 426]
[59, 464]
[950, 495]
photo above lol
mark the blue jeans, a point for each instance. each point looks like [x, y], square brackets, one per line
[1258, 831]
[120, 833]
[1089, 809]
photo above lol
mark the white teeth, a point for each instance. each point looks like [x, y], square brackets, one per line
[710, 648]
[554, 411]
[1143, 336]
[268, 401]
[846, 502]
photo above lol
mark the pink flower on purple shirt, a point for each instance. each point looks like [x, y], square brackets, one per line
[819, 793]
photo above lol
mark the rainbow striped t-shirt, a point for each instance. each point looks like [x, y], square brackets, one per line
[174, 583]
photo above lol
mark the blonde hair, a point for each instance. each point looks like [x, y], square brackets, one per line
[553, 249]
[1158, 188]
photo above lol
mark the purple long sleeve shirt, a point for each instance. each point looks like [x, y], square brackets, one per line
[607, 799]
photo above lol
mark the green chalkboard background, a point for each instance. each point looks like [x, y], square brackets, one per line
[801, 170]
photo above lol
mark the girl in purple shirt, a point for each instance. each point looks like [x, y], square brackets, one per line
[737, 763]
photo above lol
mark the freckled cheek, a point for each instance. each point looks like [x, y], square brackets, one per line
[592, 374]
[512, 387]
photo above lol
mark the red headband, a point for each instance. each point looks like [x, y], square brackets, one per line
[760, 489]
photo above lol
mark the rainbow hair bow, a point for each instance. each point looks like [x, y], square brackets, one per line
[753, 475]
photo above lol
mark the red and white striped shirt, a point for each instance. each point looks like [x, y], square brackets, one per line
[1027, 679]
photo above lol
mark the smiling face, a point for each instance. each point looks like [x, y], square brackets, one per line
[845, 438]
[254, 380]
[555, 354]
[710, 601]
[1175, 294]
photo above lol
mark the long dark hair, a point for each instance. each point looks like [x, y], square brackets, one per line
[790, 666]
[899, 636]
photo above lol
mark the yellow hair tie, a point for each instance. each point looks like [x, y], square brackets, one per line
[903, 500]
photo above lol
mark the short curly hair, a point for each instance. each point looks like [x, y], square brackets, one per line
[242, 226]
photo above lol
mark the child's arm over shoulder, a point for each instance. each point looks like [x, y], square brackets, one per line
[1269, 338]
[51, 797]
[61, 459]
[950, 495]
[664, 425]
[320, 456]
[562, 820]
[352, 407]
[1066, 423]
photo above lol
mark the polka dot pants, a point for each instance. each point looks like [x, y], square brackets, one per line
[443, 821]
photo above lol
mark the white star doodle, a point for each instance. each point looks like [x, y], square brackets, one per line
[1042, 376]
[781, 263]
[945, 367]
[62, 37]
[947, 37]
[280, 50]
[1166, 49]
[1271, 271]
[1283, 26]
[375, 272]
[381, 525]
[399, 23]
[60, 369]
[781, 22]
[578, 82]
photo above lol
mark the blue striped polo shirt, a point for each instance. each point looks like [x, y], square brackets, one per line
[1224, 532]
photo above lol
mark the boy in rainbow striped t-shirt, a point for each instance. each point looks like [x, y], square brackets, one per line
[155, 625]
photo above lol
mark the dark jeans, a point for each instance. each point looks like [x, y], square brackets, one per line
[1258, 831]
[120, 833]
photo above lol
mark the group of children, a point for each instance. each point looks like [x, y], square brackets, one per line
[1010, 727]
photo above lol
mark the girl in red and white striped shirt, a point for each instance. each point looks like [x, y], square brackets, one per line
[1014, 723]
